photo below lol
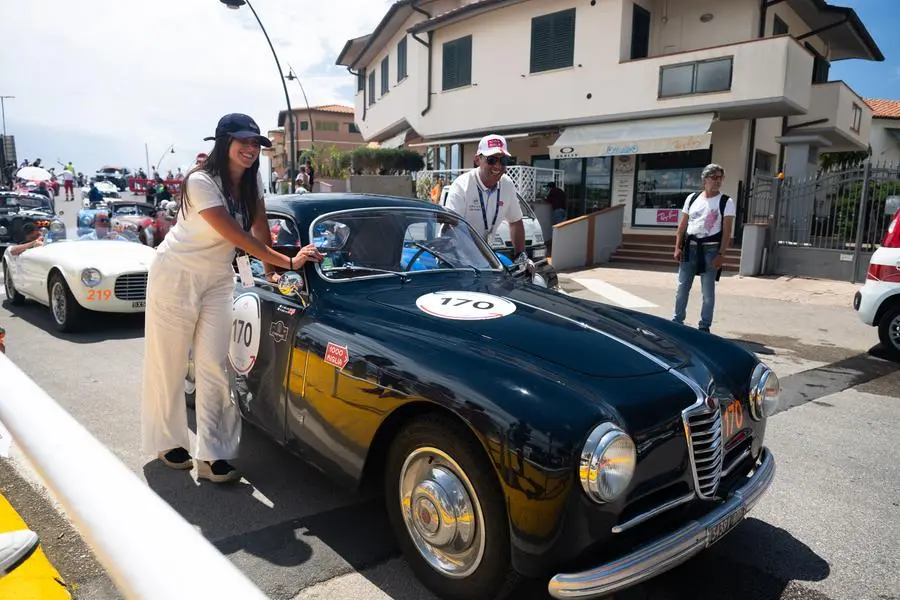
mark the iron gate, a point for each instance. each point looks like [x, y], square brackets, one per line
[825, 226]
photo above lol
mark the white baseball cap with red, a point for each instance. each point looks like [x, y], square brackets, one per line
[493, 144]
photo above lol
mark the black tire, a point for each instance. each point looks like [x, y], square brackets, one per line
[492, 576]
[14, 297]
[70, 318]
[889, 331]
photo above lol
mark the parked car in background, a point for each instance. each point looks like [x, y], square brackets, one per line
[115, 175]
[878, 301]
[18, 208]
[512, 430]
[107, 189]
[76, 278]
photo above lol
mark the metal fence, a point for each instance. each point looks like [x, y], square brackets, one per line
[532, 183]
[844, 209]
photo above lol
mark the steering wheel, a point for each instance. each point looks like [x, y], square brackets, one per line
[414, 258]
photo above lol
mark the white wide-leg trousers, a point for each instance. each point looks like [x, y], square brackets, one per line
[186, 308]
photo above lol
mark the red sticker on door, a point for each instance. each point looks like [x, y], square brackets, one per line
[336, 355]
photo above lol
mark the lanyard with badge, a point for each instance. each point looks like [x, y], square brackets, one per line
[484, 210]
[245, 273]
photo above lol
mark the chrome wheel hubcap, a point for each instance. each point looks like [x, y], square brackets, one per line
[58, 302]
[442, 512]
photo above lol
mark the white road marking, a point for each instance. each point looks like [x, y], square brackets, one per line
[613, 294]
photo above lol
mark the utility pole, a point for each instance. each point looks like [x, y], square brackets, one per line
[3, 111]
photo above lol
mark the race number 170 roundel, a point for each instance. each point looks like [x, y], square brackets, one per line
[245, 332]
[465, 306]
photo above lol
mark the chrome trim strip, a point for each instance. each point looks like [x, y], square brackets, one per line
[667, 552]
[735, 462]
[652, 513]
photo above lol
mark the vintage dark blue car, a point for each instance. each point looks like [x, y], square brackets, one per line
[19, 208]
[515, 431]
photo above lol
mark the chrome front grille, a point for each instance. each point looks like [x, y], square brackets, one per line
[132, 286]
[703, 430]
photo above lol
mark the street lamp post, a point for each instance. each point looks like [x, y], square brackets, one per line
[236, 4]
[291, 76]
[172, 148]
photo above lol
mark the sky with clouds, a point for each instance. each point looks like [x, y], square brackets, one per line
[96, 80]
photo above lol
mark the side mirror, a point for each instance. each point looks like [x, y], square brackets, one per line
[290, 284]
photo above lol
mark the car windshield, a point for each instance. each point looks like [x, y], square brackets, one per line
[23, 201]
[133, 209]
[381, 242]
[527, 211]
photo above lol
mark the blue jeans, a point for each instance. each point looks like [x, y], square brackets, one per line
[687, 270]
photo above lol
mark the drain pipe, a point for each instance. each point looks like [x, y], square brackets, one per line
[364, 88]
[428, 45]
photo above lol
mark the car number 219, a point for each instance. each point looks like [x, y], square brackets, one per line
[243, 346]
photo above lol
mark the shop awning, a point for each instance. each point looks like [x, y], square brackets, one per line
[645, 136]
[464, 140]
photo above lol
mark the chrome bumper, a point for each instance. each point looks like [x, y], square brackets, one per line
[668, 552]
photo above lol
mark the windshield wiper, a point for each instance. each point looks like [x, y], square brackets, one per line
[356, 268]
[441, 257]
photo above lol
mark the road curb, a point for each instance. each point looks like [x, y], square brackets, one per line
[35, 578]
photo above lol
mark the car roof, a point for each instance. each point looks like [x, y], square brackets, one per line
[306, 207]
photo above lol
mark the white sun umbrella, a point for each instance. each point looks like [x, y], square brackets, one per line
[34, 174]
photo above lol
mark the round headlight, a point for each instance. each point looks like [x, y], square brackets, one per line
[57, 227]
[765, 390]
[607, 463]
[3, 230]
[91, 277]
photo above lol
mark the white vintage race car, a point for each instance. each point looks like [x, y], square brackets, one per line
[75, 277]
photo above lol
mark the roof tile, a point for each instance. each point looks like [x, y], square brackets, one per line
[884, 109]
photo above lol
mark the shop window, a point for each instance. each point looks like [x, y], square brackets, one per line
[699, 77]
[664, 181]
[553, 41]
[457, 70]
[597, 183]
[455, 156]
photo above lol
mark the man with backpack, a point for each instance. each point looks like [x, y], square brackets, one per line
[704, 235]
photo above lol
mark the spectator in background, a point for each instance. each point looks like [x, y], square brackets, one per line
[311, 174]
[68, 178]
[557, 199]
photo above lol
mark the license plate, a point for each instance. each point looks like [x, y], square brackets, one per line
[540, 253]
[139, 304]
[717, 530]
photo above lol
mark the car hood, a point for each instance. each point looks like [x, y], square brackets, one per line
[590, 338]
[102, 254]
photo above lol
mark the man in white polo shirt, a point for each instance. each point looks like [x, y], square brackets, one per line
[486, 196]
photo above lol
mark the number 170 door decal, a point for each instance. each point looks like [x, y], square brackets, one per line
[245, 332]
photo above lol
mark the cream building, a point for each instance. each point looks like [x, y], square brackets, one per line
[885, 137]
[629, 97]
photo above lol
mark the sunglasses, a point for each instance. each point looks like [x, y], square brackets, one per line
[493, 160]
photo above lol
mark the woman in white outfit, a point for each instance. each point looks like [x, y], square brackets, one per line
[189, 298]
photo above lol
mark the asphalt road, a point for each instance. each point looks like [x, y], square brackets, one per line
[827, 529]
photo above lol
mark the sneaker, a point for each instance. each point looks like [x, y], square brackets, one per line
[176, 458]
[16, 547]
[218, 471]
[705, 329]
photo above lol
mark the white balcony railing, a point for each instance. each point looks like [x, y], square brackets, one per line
[149, 550]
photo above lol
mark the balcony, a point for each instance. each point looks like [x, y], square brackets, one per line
[756, 79]
[837, 114]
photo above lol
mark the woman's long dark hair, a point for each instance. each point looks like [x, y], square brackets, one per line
[216, 164]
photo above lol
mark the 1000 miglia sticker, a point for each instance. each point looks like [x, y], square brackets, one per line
[465, 306]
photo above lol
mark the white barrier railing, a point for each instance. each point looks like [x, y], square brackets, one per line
[149, 550]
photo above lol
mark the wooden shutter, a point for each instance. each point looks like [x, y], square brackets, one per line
[457, 70]
[553, 41]
[401, 60]
[385, 75]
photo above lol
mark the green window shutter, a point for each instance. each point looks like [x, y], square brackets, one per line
[553, 41]
[401, 60]
[372, 88]
[385, 75]
[457, 71]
